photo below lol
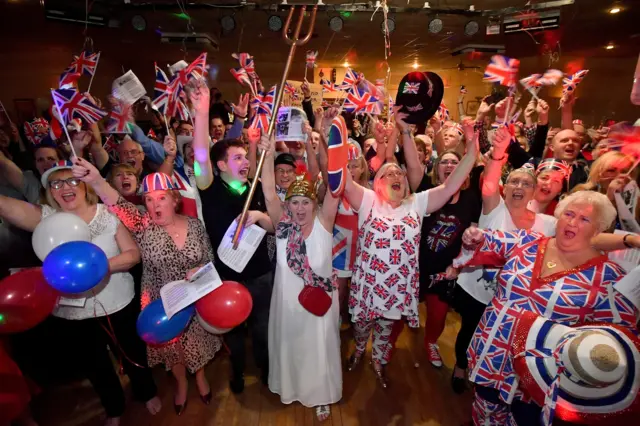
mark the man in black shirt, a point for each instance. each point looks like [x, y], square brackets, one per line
[222, 203]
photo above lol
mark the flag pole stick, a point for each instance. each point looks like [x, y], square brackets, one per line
[294, 42]
[64, 125]
[6, 113]
[94, 73]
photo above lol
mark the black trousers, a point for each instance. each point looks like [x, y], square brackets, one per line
[258, 325]
[470, 311]
[85, 342]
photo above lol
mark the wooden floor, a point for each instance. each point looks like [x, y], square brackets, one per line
[418, 395]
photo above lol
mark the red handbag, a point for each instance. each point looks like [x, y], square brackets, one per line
[315, 300]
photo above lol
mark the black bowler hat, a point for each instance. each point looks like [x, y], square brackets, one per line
[420, 94]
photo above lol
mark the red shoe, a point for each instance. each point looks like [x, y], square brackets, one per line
[433, 354]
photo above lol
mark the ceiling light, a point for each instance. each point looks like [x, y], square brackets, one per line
[609, 46]
[435, 26]
[471, 28]
[426, 5]
[346, 64]
[472, 8]
[614, 10]
[336, 24]
[415, 66]
[228, 23]
[275, 23]
[390, 23]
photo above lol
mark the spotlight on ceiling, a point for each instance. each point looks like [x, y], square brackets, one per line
[610, 46]
[390, 23]
[346, 64]
[435, 26]
[471, 28]
[614, 10]
[415, 65]
[228, 23]
[336, 24]
[275, 23]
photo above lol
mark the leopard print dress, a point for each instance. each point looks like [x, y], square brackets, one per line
[163, 262]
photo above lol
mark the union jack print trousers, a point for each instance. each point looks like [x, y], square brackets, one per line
[381, 346]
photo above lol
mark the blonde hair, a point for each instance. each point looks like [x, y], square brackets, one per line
[90, 194]
[598, 168]
[121, 166]
[605, 213]
[378, 186]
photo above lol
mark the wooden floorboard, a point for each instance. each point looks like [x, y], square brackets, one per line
[419, 395]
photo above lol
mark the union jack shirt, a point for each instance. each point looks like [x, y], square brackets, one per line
[573, 297]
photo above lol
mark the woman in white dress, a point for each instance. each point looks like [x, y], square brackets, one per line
[304, 348]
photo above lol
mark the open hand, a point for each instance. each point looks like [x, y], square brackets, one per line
[199, 95]
[240, 110]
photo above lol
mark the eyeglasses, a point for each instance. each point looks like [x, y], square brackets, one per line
[59, 183]
[284, 171]
[394, 175]
[523, 183]
[131, 153]
[450, 162]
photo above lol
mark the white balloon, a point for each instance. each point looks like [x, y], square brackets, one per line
[57, 229]
[211, 329]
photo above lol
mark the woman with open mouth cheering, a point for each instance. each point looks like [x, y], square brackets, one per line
[385, 280]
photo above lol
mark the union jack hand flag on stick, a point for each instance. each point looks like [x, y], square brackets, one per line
[240, 74]
[246, 62]
[550, 77]
[196, 69]
[111, 146]
[327, 86]
[85, 63]
[73, 104]
[68, 79]
[532, 84]
[463, 90]
[262, 104]
[351, 79]
[166, 94]
[358, 100]
[570, 83]
[119, 118]
[443, 113]
[311, 58]
[502, 70]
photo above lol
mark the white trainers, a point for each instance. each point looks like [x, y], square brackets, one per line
[433, 354]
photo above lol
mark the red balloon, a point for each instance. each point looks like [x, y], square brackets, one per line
[227, 306]
[25, 300]
[14, 392]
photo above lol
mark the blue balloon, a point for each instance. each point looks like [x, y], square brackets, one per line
[155, 327]
[75, 267]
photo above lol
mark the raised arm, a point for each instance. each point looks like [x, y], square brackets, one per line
[239, 117]
[567, 111]
[460, 105]
[328, 212]
[439, 195]
[379, 132]
[354, 192]
[11, 173]
[152, 149]
[415, 171]
[98, 153]
[274, 205]
[129, 253]
[312, 160]
[86, 172]
[202, 161]
[493, 170]
[170, 150]
[20, 213]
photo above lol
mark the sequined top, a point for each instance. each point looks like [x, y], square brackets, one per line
[573, 297]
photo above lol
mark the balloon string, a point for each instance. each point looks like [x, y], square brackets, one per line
[112, 334]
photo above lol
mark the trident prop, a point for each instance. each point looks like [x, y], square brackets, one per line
[294, 42]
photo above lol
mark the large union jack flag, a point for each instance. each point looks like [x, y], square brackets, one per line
[262, 105]
[73, 104]
[358, 100]
[502, 70]
[338, 144]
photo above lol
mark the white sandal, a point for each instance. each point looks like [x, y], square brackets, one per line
[323, 412]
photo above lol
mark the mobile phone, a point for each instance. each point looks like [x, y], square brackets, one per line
[498, 93]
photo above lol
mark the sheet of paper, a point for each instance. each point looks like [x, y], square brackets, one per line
[629, 286]
[247, 246]
[177, 295]
[128, 88]
[627, 258]
[78, 302]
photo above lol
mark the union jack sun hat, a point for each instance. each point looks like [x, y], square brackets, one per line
[588, 374]
[157, 182]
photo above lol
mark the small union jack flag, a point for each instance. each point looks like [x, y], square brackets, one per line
[532, 81]
[246, 62]
[395, 256]
[550, 77]
[411, 88]
[444, 114]
[502, 70]
[381, 292]
[262, 105]
[570, 83]
[68, 79]
[351, 79]
[379, 225]
[398, 232]
[311, 58]
[410, 221]
[36, 130]
[119, 118]
[392, 280]
[85, 63]
[196, 69]
[404, 271]
[370, 278]
[378, 265]
[289, 88]
[111, 146]
[368, 239]
[327, 86]
[166, 93]
[463, 90]
[358, 100]
[383, 243]
[408, 247]
[73, 104]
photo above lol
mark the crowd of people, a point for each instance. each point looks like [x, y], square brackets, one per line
[491, 221]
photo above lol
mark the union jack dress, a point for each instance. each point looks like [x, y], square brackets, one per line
[385, 281]
[345, 233]
[572, 297]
